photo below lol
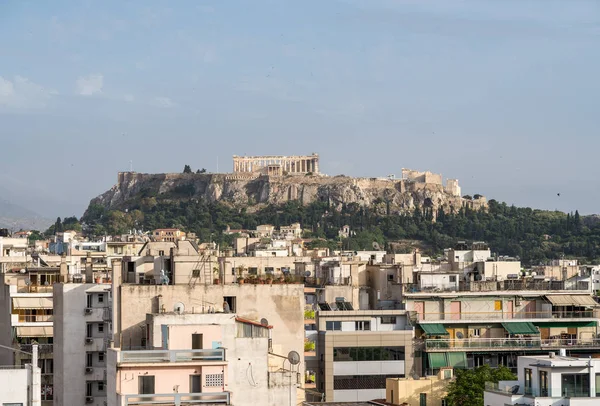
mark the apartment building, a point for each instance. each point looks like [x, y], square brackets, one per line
[202, 358]
[359, 349]
[547, 380]
[27, 318]
[82, 332]
[428, 390]
[168, 235]
[469, 329]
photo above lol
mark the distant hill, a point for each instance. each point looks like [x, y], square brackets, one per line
[15, 217]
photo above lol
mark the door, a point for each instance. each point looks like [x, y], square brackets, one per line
[195, 383]
[165, 336]
[455, 310]
[197, 341]
[509, 310]
[420, 309]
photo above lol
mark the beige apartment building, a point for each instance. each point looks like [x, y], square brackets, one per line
[167, 235]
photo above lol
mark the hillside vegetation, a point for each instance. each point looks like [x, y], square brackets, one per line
[532, 235]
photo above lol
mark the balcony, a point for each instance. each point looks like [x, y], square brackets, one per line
[507, 344]
[504, 315]
[177, 398]
[42, 348]
[96, 344]
[157, 356]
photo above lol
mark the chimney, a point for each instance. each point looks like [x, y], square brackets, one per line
[63, 271]
[89, 270]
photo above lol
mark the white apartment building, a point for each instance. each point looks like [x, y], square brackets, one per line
[21, 384]
[82, 332]
[359, 349]
[549, 380]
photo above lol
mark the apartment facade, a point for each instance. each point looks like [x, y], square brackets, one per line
[548, 380]
[359, 349]
[83, 330]
[201, 358]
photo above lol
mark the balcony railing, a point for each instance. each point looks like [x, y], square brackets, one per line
[152, 356]
[508, 343]
[31, 318]
[178, 398]
[504, 315]
[42, 348]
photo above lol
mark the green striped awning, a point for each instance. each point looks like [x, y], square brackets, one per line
[437, 360]
[457, 360]
[520, 328]
[434, 329]
[566, 324]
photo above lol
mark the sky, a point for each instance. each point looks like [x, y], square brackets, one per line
[501, 94]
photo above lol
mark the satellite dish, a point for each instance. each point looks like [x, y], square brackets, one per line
[293, 357]
[264, 322]
[22, 271]
[179, 308]
[459, 335]
[307, 274]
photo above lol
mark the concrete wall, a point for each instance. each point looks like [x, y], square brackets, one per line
[14, 387]
[6, 357]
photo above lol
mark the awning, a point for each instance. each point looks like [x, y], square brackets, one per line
[520, 328]
[566, 324]
[457, 360]
[35, 331]
[572, 300]
[32, 302]
[434, 329]
[437, 360]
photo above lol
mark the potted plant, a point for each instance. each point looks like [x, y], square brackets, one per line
[241, 280]
[269, 280]
[240, 272]
[289, 279]
[216, 279]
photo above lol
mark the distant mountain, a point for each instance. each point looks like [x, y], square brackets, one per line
[15, 217]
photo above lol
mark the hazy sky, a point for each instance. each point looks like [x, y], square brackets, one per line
[502, 94]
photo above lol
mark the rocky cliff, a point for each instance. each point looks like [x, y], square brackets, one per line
[399, 196]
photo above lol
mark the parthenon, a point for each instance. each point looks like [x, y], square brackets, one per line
[276, 165]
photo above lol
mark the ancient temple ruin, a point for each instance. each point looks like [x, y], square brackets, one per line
[276, 165]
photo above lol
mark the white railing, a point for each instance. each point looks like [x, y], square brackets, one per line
[171, 356]
[499, 343]
[178, 398]
[504, 315]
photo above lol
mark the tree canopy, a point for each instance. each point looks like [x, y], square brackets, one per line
[468, 386]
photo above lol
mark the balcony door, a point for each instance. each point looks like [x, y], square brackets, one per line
[195, 383]
[146, 384]
[197, 342]
[455, 310]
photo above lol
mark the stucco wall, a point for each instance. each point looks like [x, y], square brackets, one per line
[408, 390]
[14, 386]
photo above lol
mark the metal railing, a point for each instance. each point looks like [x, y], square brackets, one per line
[499, 343]
[171, 356]
[37, 318]
[178, 398]
[42, 348]
[504, 315]
[505, 285]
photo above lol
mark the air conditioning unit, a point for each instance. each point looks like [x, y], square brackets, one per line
[89, 399]
[89, 370]
[89, 340]
[88, 310]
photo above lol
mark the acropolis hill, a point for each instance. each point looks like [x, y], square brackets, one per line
[259, 181]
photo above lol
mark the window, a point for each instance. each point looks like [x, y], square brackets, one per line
[575, 385]
[447, 374]
[444, 402]
[527, 381]
[195, 383]
[101, 327]
[88, 389]
[247, 330]
[101, 298]
[388, 320]
[101, 386]
[161, 253]
[230, 300]
[88, 359]
[269, 270]
[478, 360]
[423, 399]
[362, 325]
[146, 384]
[333, 325]
[195, 273]
[89, 301]
[89, 330]
[252, 271]
[101, 356]
[497, 304]
[476, 332]
[390, 277]
[452, 278]
[197, 341]
[368, 354]
[345, 382]
[597, 385]
[543, 383]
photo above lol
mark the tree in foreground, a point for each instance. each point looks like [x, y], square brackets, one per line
[467, 389]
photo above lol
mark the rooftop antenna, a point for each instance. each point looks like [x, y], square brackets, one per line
[130, 166]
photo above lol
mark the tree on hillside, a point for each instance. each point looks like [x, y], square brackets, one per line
[58, 227]
[201, 170]
[187, 169]
[467, 389]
